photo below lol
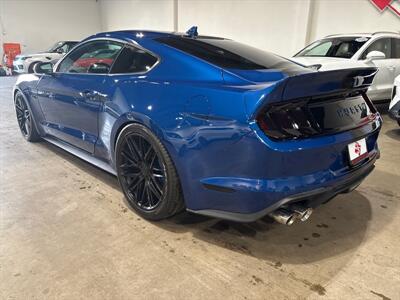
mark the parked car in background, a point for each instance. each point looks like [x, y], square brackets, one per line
[25, 63]
[380, 49]
[394, 106]
[205, 123]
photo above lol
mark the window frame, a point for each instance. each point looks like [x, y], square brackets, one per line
[57, 65]
[124, 44]
[136, 46]
[371, 43]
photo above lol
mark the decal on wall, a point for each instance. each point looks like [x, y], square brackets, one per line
[384, 4]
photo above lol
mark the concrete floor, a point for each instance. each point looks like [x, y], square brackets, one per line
[66, 233]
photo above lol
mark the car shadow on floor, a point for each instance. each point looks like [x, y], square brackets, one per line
[334, 228]
[394, 133]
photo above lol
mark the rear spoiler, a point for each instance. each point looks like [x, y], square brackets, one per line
[329, 82]
[311, 85]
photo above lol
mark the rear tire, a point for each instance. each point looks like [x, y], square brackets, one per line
[147, 174]
[25, 119]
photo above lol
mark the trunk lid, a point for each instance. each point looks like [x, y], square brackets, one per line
[311, 103]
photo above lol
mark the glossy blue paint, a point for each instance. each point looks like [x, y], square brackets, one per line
[204, 116]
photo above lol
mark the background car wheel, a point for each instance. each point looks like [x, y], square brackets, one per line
[25, 119]
[147, 174]
[31, 67]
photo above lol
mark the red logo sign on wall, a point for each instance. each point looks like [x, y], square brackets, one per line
[384, 4]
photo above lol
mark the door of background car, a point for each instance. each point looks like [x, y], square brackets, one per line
[73, 95]
[383, 82]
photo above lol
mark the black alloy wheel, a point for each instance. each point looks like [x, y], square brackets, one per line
[147, 175]
[25, 119]
[143, 172]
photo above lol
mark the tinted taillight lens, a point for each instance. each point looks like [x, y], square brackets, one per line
[306, 118]
[289, 121]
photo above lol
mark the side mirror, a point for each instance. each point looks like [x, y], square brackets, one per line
[374, 55]
[99, 68]
[60, 51]
[43, 68]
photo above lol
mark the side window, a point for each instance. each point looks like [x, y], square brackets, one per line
[395, 48]
[320, 50]
[69, 47]
[133, 60]
[92, 57]
[63, 48]
[381, 45]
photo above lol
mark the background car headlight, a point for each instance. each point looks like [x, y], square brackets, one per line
[315, 67]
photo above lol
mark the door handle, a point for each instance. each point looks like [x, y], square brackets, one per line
[93, 95]
[391, 68]
[88, 94]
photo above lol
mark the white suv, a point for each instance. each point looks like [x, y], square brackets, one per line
[380, 49]
[25, 63]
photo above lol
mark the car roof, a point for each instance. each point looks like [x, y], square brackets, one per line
[137, 35]
[369, 35]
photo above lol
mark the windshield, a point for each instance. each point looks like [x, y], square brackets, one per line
[55, 46]
[342, 47]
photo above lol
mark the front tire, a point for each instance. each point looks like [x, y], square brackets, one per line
[25, 119]
[147, 174]
[31, 67]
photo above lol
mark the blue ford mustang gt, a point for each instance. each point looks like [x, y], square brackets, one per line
[205, 124]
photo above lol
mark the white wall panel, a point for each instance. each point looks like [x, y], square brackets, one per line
[275, 25]
[38, 24]
[348, 16]
[280, 26]
[137, 14]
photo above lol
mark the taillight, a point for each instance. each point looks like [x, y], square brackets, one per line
[288, 121]
[310, 117]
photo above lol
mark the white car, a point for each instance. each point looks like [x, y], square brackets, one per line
[25, 63]
[380, 49]
[394, 106]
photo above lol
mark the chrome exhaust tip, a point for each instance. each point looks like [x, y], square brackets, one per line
[283, 216]
[303, 213]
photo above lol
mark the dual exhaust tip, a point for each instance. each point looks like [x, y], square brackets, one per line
[288, 215]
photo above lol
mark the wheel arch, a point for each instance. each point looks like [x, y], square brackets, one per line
[15, 91]
[126, 120]
[31, 64]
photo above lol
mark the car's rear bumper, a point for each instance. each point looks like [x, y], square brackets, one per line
[312, 197]
[253, 179]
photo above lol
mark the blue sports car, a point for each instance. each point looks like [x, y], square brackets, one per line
[205, 123]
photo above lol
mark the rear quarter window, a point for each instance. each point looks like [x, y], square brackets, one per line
[133, 60]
